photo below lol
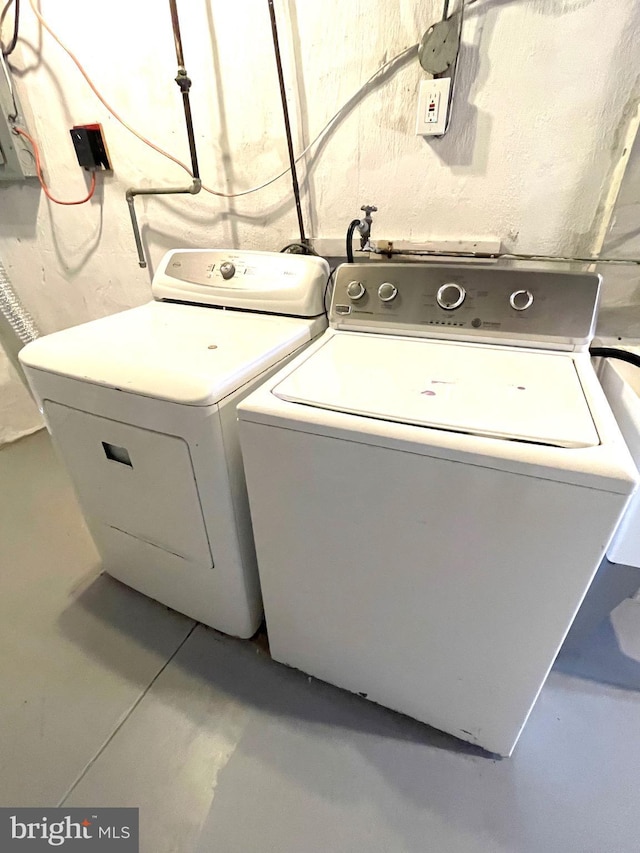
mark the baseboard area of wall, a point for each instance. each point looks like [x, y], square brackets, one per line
[12, 436]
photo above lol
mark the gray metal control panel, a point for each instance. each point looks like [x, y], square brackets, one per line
[467, 302]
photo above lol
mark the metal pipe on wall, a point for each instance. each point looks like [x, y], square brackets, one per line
[177, 37]
[287, 123]
[184, 83]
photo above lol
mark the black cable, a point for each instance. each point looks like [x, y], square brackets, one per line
[612, 352]
[8, 50]
[352, 227]
[326, 288]
[287, 124]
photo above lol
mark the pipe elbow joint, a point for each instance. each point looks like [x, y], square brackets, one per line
[196, 186]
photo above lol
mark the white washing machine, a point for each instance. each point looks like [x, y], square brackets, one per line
[142, 408]
[621, 383]
[432, 485]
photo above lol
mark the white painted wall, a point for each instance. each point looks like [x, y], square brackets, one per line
[544, 94]
[18, 415]
[620, 312]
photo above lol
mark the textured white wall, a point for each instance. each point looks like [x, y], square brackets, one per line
[18, 415]
[545, 92]
[620, 312]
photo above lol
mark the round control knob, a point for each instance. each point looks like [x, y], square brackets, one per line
[355, 290]
[387, 291]
[227, 270]
[451, 296]
[520, 300]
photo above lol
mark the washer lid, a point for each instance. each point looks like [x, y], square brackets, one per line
[501, 392]
[181, 353]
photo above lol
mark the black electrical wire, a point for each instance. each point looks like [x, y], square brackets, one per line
[287, 124]
[8, 50]
[326, 290]
[350, 230]
[612, 352]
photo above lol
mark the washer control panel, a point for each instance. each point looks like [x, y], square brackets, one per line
[466, 301]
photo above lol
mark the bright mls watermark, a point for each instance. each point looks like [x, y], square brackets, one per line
[79, 830]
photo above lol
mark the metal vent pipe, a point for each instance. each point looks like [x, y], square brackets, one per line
[184, 83]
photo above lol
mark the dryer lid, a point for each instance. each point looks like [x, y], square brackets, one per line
[500, 392]
[180, 353]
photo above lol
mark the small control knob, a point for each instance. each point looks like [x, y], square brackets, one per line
[451, 296]
[387, 291]
[355, 290]
[227, 270]
[520, 300]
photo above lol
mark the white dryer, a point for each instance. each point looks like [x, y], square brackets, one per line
[142, 408]
[432, 486]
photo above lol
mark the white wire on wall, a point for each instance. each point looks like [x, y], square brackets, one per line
[163, 153]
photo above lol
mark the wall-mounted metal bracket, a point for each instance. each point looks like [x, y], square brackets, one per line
[16, 157]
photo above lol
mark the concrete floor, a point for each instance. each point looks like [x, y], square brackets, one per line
[108, 698]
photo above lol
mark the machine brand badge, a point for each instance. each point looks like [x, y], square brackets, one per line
[83, 830]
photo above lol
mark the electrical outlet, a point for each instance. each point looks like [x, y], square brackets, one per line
[433, 106]
[91, 149]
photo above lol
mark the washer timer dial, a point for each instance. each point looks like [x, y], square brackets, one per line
[355, 290]
[520, 300]
[451, 296]
[387, 292]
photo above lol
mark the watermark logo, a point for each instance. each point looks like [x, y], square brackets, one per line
[74, 830]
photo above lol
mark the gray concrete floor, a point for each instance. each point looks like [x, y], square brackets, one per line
[107, 698]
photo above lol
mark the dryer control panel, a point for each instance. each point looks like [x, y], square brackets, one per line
[254, 281]
[465, 302]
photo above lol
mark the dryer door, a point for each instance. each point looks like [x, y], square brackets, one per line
[134, 480]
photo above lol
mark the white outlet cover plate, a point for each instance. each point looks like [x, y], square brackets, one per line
[433, 106]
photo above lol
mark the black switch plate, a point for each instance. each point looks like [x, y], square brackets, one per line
[91, 150]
